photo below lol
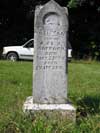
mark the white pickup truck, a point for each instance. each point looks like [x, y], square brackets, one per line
[25, 52]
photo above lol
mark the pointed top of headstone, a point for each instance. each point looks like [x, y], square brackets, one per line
[51, 8]
[52, 2]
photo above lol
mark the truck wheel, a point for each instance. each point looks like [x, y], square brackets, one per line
[12, 56]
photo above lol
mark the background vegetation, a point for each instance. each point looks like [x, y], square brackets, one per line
[17, 24]
[83, 92]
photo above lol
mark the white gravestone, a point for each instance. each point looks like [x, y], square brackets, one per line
[50, 67]
[50, 60]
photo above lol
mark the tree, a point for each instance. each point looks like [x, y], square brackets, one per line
[85, 29]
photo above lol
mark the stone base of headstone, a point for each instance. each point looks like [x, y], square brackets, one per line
[52, 111]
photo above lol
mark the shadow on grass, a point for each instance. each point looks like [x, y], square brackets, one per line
[88, 105]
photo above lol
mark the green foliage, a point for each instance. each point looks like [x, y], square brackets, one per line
[83, 91]
[94, 51]
[72, 3]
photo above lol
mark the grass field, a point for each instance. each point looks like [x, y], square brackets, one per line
[83, 91]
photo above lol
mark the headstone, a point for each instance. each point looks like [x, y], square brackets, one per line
[50, 60]
[50, 68]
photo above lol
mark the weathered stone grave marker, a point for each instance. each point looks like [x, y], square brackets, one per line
[50, 62]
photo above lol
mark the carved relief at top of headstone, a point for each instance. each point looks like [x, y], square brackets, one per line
[52, 10]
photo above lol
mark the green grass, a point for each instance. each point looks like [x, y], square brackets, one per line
[83, 91]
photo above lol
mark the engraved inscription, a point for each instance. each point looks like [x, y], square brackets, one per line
[51, 32]
[51, 51]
